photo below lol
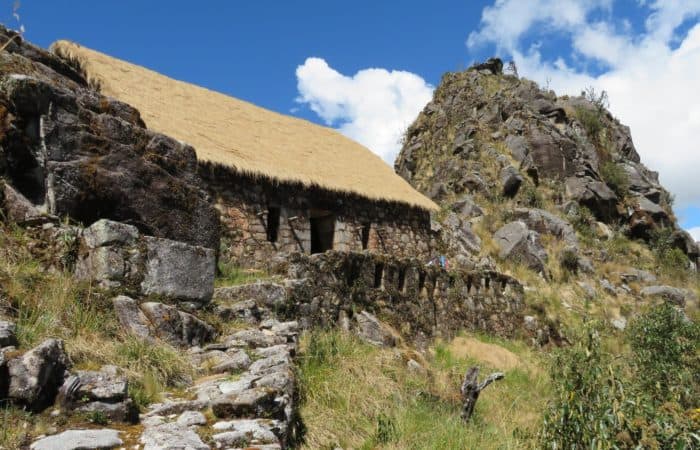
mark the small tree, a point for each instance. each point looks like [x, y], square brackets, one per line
[665, 349]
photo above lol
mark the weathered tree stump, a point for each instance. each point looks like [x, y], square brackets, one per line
[471, 389]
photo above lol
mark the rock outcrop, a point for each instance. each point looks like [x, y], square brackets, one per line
[70, 151]
[481, 121]
[36, 376]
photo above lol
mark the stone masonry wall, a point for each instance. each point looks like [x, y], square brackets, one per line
[244, 204]
[420, 301]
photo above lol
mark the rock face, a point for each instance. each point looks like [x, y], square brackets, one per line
[492, 134]
[517, 241]
[36, 376]
[71, 151]
[116, 256]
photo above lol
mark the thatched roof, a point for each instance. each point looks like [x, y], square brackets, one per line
[237, 134]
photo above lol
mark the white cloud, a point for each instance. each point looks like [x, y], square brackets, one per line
[695, 232]
[373, 107]
[651, 77]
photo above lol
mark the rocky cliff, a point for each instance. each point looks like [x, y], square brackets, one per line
[497, 136]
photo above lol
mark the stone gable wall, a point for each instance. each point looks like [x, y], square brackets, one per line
[243, 203]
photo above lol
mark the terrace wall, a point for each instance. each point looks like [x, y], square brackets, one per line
[421, 301]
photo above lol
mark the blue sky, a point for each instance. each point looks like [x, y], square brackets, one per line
[368, 67]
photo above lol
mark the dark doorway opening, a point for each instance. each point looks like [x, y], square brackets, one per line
[273, 223]
[322, 232]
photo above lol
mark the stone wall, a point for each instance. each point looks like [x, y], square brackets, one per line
[247, 206]
[420, 301]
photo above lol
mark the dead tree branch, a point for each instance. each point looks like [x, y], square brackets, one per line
[471, 389]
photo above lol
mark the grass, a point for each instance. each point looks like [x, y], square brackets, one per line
[232, 275]
[358, 396]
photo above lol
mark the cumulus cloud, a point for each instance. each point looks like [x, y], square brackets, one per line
[695, 232]
[651, 75]
[373, 106]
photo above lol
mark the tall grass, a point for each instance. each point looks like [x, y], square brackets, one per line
[358, 396]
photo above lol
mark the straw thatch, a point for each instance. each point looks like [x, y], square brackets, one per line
[251, 140]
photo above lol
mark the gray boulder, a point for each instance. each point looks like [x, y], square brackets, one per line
[16, 208]
[594, 195]
[373, 331]
[7, 334]
[670, 294]
[176, 327]
[255, 402]
[459, 236]
[131, 318]
[466, 208]
[247, 432]
[545, 222]
[634, 275]
[36, 376]
[252, 301]
[518, 242]
[115, 256]
[178, 270]
[80, 440]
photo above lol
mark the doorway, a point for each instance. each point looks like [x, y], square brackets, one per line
[322, 231]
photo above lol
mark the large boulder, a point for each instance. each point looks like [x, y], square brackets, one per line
[670, 294]
[116, 256]
[594, 195]
[36, 376]
[71, 151]
[545, 222]
[517, 242]
[104, 392]
[178, 270]
[459, 236]
[16, 208]
[177, 327]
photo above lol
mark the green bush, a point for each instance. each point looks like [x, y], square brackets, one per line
[615, 177]
[670, 260]
[665, 349]
[606, 401]
[592, 122]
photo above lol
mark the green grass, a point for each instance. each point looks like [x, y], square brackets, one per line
[358, 396]
[232, 275]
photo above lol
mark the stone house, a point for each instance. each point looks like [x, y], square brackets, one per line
[281, 184]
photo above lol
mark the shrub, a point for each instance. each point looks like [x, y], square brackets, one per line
[665, 349]
[615, 177]
[670, 260]
[591, 121]
[607, 402]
